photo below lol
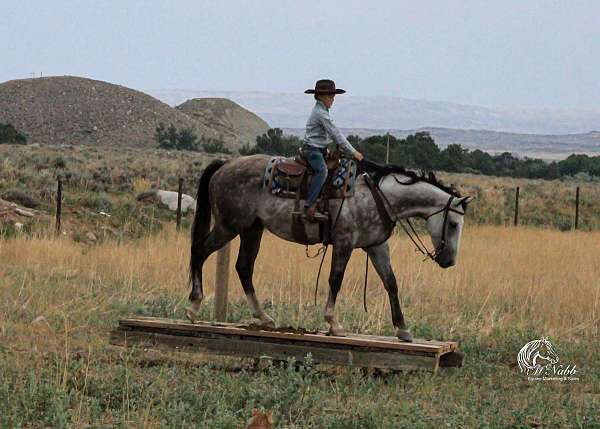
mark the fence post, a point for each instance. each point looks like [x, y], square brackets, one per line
[179, 191]
[222, 283]
[58, 205]
[517, 207]
[577, 208]
[387, 151]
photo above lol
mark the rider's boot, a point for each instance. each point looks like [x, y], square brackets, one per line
[313, 215]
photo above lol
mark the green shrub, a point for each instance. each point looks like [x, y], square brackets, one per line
[98, 201]
[9, 134]
[170, 138]
[21, 197]
[214, 146]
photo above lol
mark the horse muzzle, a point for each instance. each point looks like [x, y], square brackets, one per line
[445, 263]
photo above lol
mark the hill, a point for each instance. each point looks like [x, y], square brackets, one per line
[235, 124]
[76, 110]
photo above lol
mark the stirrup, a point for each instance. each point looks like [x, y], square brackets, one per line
[317, 217]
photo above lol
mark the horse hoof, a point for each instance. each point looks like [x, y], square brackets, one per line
[337, 331]
[266, 323]
[191, 315]
[404, 335]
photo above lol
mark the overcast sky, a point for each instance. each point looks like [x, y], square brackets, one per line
[509, 53]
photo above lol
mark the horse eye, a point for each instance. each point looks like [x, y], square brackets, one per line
[453, 225]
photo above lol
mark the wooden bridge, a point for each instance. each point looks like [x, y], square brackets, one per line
[247, 341]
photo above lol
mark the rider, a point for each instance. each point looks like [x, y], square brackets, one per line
[318, 127]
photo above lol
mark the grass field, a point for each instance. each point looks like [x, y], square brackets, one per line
[59, 298]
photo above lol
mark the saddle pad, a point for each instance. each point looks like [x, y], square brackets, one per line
[344, 175]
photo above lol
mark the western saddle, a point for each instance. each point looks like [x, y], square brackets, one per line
[293, 176]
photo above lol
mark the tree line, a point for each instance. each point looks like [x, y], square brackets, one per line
[420, 151]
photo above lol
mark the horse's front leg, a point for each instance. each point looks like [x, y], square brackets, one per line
[380, 257]
[339, 261]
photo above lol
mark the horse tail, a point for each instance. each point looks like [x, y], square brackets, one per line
[201, 223]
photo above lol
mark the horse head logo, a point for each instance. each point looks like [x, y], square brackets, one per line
[536, 355]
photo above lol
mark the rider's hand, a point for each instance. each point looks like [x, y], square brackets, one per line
[359, 156]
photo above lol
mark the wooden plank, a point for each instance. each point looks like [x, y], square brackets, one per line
[452, 345]
[252, 348]
[452, 359]
[180, 326]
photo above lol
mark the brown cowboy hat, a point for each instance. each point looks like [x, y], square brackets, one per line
[325, 87]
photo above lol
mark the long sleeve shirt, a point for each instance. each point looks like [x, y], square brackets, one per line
[319, 127]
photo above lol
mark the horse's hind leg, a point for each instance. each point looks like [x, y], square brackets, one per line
[218, 237]
[249, 246]
[339, 261]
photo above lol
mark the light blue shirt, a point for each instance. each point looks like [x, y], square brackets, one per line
[319, 128]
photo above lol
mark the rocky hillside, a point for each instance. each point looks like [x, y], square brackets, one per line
[230, 120]
[75, 110]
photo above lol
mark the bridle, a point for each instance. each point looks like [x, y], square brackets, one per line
[412, 233]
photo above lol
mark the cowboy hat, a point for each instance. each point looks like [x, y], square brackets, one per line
[325, 87]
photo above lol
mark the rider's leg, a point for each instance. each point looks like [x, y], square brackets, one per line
[317, 162]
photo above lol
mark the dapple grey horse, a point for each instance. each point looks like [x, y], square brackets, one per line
[233, 192]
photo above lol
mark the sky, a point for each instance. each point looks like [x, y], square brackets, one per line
[498, 54]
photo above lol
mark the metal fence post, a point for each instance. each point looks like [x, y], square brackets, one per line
[58, 205]
[577, 208]
[516, 222]
[179, 192]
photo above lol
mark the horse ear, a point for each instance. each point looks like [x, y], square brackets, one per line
[432, 177]
[254, 411]
[465, 201]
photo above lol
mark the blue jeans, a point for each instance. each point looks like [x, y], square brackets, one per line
[316, 159]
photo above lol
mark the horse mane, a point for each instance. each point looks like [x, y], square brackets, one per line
[379, 171]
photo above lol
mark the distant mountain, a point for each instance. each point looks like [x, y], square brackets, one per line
[531, 145]
[544, 133]
[286, 110]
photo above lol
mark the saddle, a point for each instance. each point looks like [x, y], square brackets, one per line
[298, 165]
[291, 177]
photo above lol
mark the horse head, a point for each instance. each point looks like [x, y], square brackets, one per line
[424, 196]
[445, 229]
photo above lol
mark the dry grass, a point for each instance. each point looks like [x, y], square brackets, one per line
[58, 298]
[504, 276]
